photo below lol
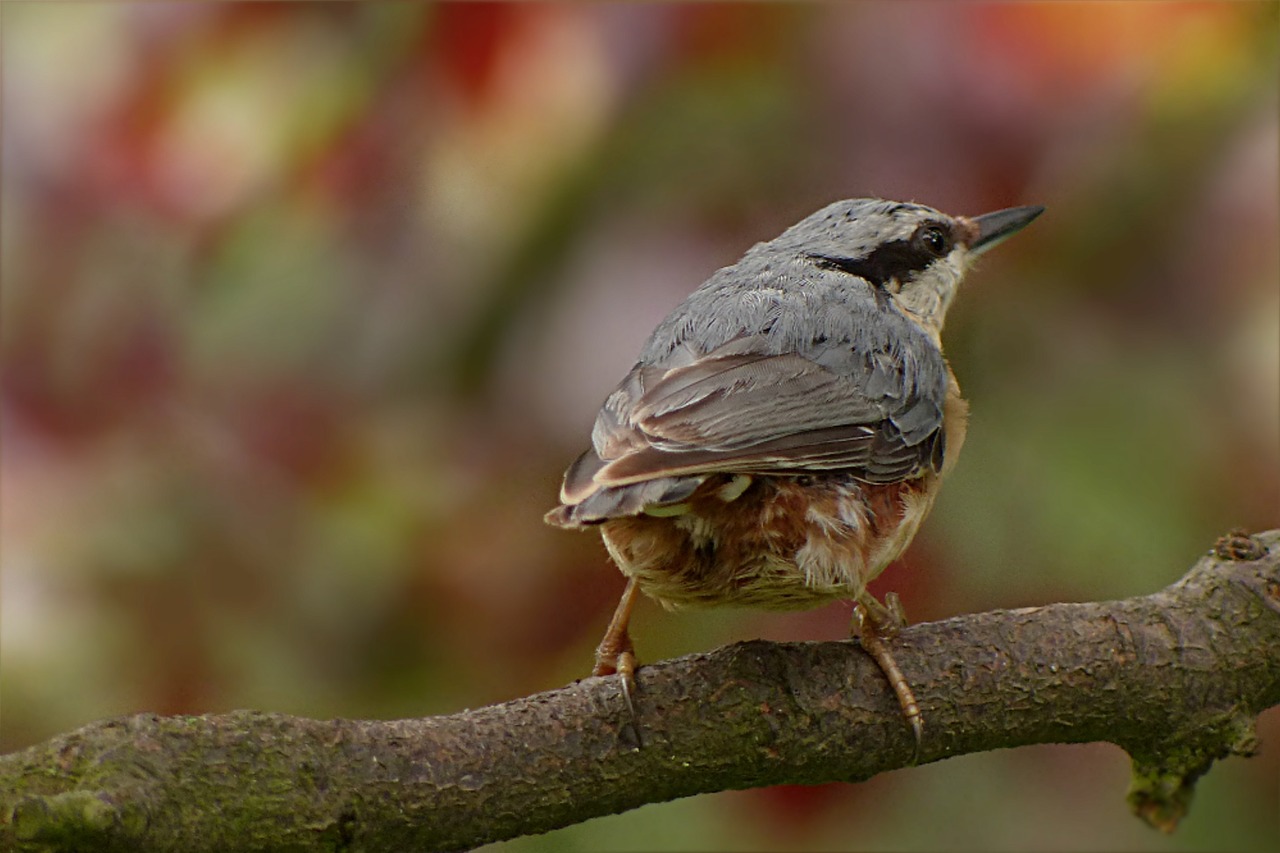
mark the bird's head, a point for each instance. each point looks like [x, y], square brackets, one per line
[912, 253]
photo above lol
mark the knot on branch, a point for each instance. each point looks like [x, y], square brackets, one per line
[1240, 546]
[1161, 788]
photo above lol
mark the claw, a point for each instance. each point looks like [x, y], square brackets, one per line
[623, 665]
[627, 678]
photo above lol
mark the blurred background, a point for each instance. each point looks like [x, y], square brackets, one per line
[305, 309]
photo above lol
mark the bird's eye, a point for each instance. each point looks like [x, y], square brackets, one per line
[934, 240]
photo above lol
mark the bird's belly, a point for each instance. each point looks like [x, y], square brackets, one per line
[785, 543]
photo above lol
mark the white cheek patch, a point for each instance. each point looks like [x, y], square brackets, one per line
[928, 296]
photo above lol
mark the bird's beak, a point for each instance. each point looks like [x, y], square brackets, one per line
[993, 228]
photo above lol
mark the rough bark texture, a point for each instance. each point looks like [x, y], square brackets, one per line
[1175, 678]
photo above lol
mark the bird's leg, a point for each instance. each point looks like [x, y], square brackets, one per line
[873, 624]
[615, 653]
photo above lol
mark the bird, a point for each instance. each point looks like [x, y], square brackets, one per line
[784, 431]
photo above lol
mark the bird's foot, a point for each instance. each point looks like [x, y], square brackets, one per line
[615, 656]
[875, 623]
[888, 618]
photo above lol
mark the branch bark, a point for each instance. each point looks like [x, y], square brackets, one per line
[1175, 678]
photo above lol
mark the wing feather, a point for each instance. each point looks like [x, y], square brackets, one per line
[741, 410]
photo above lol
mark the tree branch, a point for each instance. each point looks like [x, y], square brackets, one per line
[1175, 678]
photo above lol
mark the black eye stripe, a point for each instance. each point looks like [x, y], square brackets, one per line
[896, 259]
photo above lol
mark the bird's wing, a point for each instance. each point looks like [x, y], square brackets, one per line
[740, 409]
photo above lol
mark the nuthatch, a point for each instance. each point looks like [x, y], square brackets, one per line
[785, 430]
